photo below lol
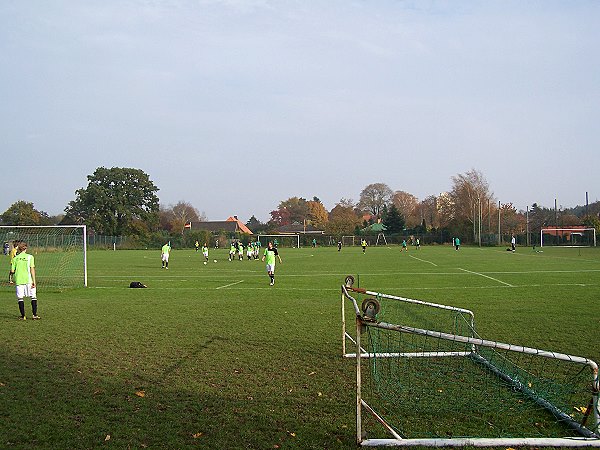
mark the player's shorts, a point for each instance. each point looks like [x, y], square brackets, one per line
[165, 257]
[25, 290]
[271, 268]
[205, 254]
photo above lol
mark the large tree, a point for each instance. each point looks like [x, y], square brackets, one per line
[116, 201]
[317, 213]
[374, 196]
[23, 213]
[296, 209]
[407, 204]
[394, 220]
[174, 217]
[470, 192]
[342, 221]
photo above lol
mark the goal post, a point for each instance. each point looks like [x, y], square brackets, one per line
[60, 252]
[568, 237]
[425, 377]
[283, 240]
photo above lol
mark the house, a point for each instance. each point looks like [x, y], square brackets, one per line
[231, 225]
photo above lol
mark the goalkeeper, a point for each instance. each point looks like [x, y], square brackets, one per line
[22, 270]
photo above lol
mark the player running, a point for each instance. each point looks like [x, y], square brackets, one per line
[205, 251]
[270, 254]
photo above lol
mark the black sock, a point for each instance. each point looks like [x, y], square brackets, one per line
[22, 308]
[34, 306]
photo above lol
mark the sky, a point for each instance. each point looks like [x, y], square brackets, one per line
[234, 106]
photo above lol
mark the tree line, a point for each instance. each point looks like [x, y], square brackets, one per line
[124, 202]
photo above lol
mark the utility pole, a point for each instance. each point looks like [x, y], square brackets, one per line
[499, 238]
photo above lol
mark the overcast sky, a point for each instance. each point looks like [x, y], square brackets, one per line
[236, 105]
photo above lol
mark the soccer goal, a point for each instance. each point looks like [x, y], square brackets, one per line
[568, 237]
[424, 377]
[281, 240]
[60, 252]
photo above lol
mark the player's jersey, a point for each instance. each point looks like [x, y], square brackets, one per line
[205, 249]
[166, 249]
[232, 249]
[270, 254]
[21, 265]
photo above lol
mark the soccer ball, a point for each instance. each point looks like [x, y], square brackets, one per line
[204, 262]
[215, 260]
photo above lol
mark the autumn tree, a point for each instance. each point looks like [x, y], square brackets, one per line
[174, 217]
[116, 201]
[24, 213]
[317, 213]
[407, 204]
[342, 221]
[374, 196]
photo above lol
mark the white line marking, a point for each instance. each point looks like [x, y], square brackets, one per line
[423, 260]
[486, 276]
[230, 284]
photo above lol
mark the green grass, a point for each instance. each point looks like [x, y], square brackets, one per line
[225, 361]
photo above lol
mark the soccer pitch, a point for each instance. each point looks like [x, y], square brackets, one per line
[211, 356]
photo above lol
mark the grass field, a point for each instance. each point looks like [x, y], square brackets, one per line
[211, 356]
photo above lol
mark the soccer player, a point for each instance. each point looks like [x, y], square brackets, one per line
[270, 254]
[250, 250]
[165, 251]
[404, 246]
[256, 249]
[339, 246]
[456, 244]
[205, 251]
[240, 251]
[418, 245]
[22, 270]
[363, 244]
[197, 245]
[232, 251]
[513, 243]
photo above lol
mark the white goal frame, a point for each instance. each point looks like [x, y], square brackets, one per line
[588, 438]
[272, 237]
[572, 230]
[84, 240]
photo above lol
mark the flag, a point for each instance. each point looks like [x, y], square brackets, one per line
[188, 225]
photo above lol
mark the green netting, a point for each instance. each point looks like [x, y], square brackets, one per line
[471, 391]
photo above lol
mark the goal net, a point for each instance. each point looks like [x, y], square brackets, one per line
[426, 377]
[59, 251]
[568, 237]
[280, 240]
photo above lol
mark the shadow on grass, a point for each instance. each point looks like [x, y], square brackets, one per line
[58, 402]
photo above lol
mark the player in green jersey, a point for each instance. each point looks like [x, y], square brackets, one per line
[22, 270]
[165, 251]
[270, 255]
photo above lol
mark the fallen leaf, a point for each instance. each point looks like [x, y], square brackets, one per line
[141, 393]
[440, 390]
[320, 394]
[107, 438]
[2, 384]
[312, 373]
[196, 435]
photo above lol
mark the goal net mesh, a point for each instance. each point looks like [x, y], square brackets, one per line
[427, 380]
[58, 251]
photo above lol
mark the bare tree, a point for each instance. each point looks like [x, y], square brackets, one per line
[174, 217]
[374, 197]
[470, 191]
